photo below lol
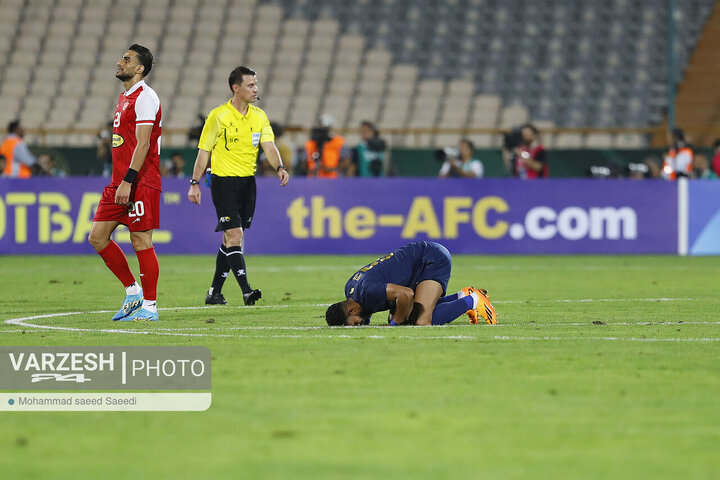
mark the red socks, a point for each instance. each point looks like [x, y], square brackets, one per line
[117, 263]
[149, 271]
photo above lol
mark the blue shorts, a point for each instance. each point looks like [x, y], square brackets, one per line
[437, 265]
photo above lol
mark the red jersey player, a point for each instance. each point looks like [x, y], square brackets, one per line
[133, 196]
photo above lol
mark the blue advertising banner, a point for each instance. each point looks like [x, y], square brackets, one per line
[704, 217]
[492, 216]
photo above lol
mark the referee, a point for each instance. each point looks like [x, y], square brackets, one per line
[232, 134]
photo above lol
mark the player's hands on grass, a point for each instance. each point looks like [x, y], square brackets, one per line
[122, 194]
[194, 194]
[403, 300]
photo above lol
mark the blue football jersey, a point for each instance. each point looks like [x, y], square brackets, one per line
[405, 266]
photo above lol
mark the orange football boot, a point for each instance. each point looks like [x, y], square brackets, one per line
[471, 313]
[484, 309]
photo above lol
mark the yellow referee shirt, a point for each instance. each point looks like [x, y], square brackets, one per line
[233, 139]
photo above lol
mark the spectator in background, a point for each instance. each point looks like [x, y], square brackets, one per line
[716, 157]
[174, 166]
[104, 149]
[369, 154]
[653, 164]
[18, 159]
[702, 170]
[527, 159]
[2, 165]
[679, 158]
[326, 154]
[47, 166]
[464, 164]
[637, 171]
[196, 130]
[284, 148]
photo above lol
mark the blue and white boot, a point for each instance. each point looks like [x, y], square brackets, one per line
[130, 304]
[142, 315]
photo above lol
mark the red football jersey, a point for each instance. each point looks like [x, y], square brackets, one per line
[138, 106]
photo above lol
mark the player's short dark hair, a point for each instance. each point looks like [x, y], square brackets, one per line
[236, 76]
[145, 57]
[13, 125]
[335, 315]
[716, 143]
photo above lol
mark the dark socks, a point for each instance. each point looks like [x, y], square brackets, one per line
[448, 298]
[446, 312]
[222, 268]
[237, 264]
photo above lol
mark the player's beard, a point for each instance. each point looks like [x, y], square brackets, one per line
[123, 75]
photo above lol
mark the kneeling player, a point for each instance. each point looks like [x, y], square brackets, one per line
[410, 282]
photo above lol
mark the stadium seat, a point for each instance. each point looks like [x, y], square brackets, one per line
[485, 111]
[364, 109]
[9, 107]
[454, 113]
[337, 106]
[395, 112]
[568, 140]
[630, 140]
[513, 115]
[276, 107]
[599, 140]
[12, 89]
[476, 50]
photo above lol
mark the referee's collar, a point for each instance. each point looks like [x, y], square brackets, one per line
[250, 108]
[139, 84]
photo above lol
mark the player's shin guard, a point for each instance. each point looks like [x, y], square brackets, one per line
[237, 264]
[448, 311]
[116, 261]
[149, 272]
[222, 268]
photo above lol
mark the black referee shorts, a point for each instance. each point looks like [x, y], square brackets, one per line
[234, 200]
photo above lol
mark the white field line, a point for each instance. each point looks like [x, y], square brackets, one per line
[189, 331]
[609, 339]
[462, 325]
[568, 300]
[593, 300]
[350, 269]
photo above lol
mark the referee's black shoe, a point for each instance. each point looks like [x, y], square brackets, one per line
[215, 298]
[252, 297]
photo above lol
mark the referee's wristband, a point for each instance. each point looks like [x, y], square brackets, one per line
[130, 175]
[279, 167]
[194, 182]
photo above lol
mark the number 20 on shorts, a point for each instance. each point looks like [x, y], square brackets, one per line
[137, 209]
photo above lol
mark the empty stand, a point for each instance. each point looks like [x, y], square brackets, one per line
[425, 64]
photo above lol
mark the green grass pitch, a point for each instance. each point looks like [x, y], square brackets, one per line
[601, 368]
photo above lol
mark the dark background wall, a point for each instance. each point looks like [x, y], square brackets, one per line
[409, 162]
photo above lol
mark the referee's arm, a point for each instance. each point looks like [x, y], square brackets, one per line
[273, 156]
[198, 171]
